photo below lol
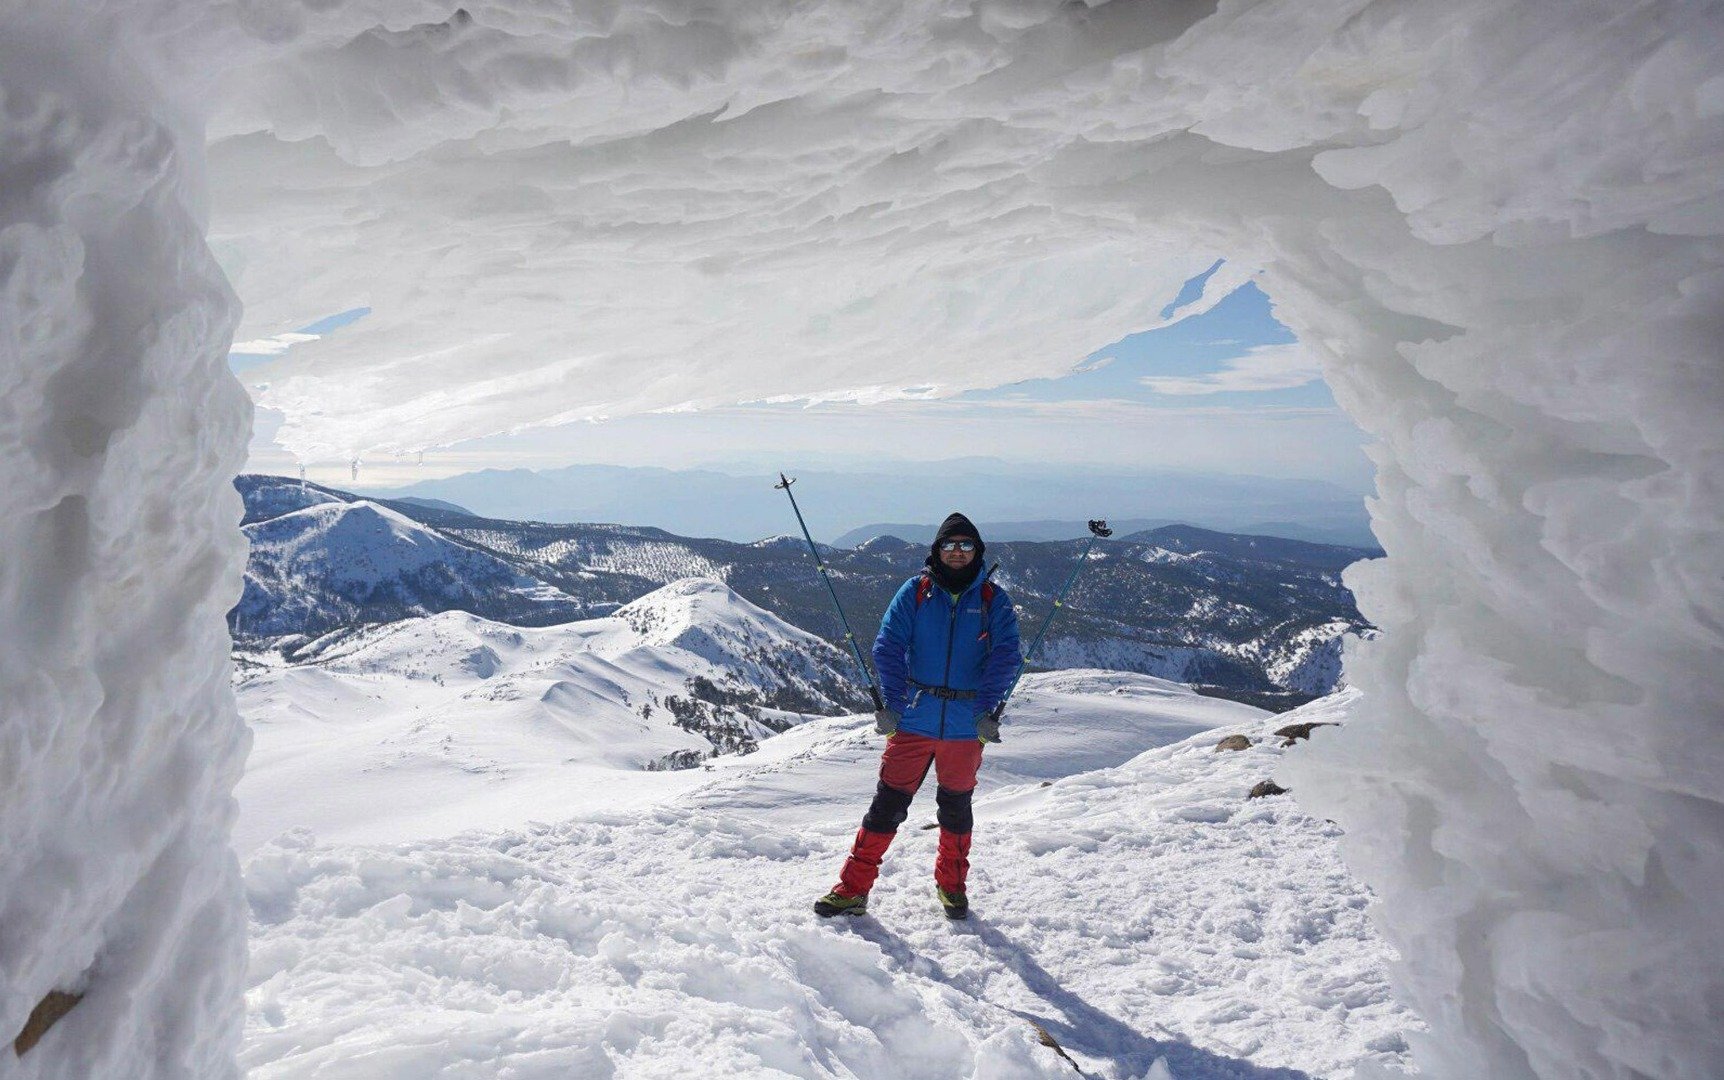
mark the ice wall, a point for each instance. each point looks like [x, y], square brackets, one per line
[120, 430]
[1532, 782]
[1499, 222]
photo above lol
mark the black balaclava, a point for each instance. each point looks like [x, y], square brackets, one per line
[955, 581]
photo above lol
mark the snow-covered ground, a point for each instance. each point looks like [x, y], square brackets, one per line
[1130, 901]
[427, 726]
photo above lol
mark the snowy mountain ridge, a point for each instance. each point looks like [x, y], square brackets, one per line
[330, 564]
[460, 705]
[1252, 616]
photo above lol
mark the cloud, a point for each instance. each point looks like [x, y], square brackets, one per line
[1266, 367]
[854, 395]
[1115, 411]
[271, 346]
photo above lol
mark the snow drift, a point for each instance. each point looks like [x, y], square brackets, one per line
[1497, 223]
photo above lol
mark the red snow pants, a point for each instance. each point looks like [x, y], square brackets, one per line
[903, 767]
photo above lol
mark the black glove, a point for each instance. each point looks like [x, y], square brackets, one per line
[988, 725]
[886, 721]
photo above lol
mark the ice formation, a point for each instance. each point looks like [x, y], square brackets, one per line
[1497, 223]
[120, 430]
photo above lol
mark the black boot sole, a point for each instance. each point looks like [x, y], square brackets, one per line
[826, 912]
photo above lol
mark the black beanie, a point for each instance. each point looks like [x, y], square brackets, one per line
[955, 580]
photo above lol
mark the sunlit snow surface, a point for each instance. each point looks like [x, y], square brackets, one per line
[1497, 222]
[429, 726]
[1135, 905]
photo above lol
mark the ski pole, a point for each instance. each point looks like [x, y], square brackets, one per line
[784, 483]
[1097, 529]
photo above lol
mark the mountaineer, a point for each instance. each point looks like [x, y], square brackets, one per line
[947, 655]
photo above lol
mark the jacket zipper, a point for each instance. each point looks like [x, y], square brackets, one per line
[951, 636]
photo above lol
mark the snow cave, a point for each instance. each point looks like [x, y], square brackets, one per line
[1500, 224]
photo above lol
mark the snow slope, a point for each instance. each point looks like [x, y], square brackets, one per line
[1135, 905]
[1060, 723]
[431, 725]
[759, 651]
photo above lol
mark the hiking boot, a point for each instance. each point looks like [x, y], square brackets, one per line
[838, 904]
[957, 905]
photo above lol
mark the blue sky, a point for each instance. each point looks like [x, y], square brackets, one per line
[249, 354]
[1193, 352]
[1225, 390]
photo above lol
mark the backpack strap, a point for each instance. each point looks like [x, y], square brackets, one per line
[988, 591]
[925, 588]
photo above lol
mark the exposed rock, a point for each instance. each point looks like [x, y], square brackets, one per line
[45, 1015]
[1266, 787]
[1294, 732]
[1234, 742]
[1047, 1039]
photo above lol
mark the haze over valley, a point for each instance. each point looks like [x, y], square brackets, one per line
[1008, 500]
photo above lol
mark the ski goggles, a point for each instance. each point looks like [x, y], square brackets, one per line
[957, 545]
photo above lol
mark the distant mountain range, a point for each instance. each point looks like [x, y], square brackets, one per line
[1010, 501]
[1260, 618]
[1126, 528]
[995, 530]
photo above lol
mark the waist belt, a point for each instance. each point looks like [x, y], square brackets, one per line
[945, 693]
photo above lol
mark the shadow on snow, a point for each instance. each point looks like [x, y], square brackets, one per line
[1078, 1026]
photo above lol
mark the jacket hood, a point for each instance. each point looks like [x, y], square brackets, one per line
[956, 580]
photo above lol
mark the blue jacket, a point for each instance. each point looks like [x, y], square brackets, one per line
[941, 643]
